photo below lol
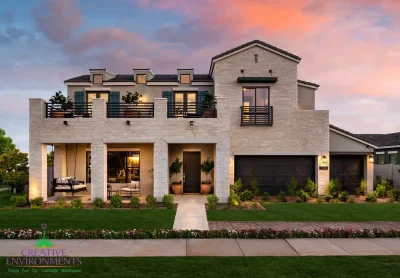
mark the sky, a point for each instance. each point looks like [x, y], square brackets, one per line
[350, 48]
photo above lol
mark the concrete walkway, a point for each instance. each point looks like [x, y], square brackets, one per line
[191, 213]
[211, 247]
[306, 226]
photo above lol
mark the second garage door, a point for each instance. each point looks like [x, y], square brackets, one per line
[274, 173]
[349, 169]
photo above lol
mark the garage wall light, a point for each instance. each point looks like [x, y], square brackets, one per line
[324, 159]
[371, 158]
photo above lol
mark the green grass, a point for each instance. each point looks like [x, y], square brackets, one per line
[311, 212]
[5, 197]
[89, 219]
[382, 266]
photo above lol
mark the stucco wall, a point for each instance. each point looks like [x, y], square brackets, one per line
[306, 98]
[342, 144]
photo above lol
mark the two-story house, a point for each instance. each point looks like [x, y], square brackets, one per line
[264, 126]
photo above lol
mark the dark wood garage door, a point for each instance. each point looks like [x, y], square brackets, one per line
[349, 169]
[274, 173]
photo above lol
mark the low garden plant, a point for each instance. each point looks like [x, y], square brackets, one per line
[265, 198]
[151, 202]
[234, 199]
[37, 202]
[60, 203]
[116, 201]
[292, 187]
[246, 195]
[212, 201]
[311, 187]
[168, 201]
[18, 201]
[282, 197]
[255, 188]
[135, 202]
[98, 203]
[371, 197]
[303, 196]
[381, 190]
[76, 204]
[333, 188]
[343, 196]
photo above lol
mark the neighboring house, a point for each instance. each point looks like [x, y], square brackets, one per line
[387, 150]
[265, 126]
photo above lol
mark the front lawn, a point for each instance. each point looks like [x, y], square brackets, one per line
[88, 219]
[5, 197]
[382, 266]
[311, 212]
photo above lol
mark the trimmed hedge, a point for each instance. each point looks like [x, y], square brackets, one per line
[164, 234]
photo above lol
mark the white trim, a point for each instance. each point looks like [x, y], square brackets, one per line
[351, 137]
[392, 152]
[77, 83]
[389, 147]
[119, 83]
[276, 153]
[191, 150]
[199, 83]
[149, 83]
[247, 47]
[380, 152]
[308, 86]
[96, 89]
[185, 89]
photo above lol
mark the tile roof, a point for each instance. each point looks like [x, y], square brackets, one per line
[254, 42]
[307, 83]
[379, 140]
[156, 78]
[121, 78]
[82, 78]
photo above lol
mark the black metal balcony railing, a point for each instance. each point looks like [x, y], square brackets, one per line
[257, 115]
[73, 110]
[191, 110]
[123, 110]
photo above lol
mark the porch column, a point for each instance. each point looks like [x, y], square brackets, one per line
[322, 175]
[222, 172]
[60, 161]
[369, 174]
[160, 169]
[37, 170]
[99, 170]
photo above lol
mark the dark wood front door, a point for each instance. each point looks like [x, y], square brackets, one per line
[191, 172]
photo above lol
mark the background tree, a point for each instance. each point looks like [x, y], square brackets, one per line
[14, 169]
[50, 159]
[6, 143]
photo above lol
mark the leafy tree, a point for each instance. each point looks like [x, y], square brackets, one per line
[50, 159]
[6, 143]
[14, 169]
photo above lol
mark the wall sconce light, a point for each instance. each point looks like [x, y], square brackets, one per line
[128, 122]
[371, 158]
[244, 89]
[191, 122]
[140, 99]
[324, 159]
[65, 122]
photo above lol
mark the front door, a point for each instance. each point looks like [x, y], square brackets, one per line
[191, 172]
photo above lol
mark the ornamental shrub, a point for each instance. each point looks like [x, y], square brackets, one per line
[116, 201]
[135, 202]
[212, 201]
[18, 201]
[168, 201]
[151, 202]
[282, 197]
[311, 187]
[98, 203]
[246, 195]
[343, 196]
[334, 201]
[328, 197]
[350, 200]
[320, 201]
[234, 199]
[363, 187]
[371, 197]
[254, 186]
[76, 204]
[265, 198]
[333, 188]
[291, 188]
[37, 202]
[60, 202]
[394, 195]
[381, 190]
[303, 196]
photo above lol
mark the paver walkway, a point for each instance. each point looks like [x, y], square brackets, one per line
[244, 225]
[211, 247]
[191, 213]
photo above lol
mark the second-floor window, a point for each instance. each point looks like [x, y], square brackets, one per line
[256, 96]
[393, 158]
[141, 78]
[97, 79]
[185, 78]
[381, 158]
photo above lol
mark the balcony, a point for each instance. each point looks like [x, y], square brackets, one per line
[191, 110]
[73, 110]
[123, 110]
[257, 115]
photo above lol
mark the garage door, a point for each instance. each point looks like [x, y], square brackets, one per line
[274, 173]
[349, 169]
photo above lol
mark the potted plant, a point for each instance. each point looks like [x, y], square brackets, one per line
[132, 99]
[209, 102]
[60, 105]
[175, 168]
[206, 167]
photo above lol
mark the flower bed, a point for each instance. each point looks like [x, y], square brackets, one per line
[164, 234]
